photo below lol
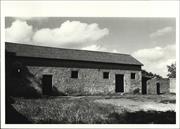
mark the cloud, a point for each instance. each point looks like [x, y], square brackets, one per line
[30, 18]
[22, 18]
[156, 59]
[161, 32]
[19, 31]
[97, 47]
[94, 47]
[69, 32]
[115, 51]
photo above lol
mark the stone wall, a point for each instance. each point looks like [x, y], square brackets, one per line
[172, 85]
[89, 81]
[152, 85]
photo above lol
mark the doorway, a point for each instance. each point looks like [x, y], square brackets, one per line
[144, 85]
[119, 83]
[158, 88]
[47, 84]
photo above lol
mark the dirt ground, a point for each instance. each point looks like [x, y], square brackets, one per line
[132, 103]
[161, 103]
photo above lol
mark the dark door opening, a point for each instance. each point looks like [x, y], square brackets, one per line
[158, 88]
[119, 83]
[144, 85]
[47, 84]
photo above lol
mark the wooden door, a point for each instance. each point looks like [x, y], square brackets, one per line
[119, 83]
[47, 84]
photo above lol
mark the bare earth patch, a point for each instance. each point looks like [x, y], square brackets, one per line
[131, 105]
[142, 102]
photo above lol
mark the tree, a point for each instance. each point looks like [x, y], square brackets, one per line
[171, 70]
[149, 74]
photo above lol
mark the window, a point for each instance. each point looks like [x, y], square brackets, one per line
[133, 75]
[74, 74]
[106, 75]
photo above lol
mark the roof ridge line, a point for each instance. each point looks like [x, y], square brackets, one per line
[68, 48]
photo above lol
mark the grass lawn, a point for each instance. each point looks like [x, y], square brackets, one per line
[98, 109]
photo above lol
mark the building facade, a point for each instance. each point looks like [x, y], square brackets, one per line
[172, 83]
[158, 86]
[47, 70]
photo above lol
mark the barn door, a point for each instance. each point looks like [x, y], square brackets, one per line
[47, 84]
[119, 83]
[158, 88]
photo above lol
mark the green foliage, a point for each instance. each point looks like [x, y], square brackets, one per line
[171, 70]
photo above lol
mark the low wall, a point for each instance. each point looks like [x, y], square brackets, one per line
[172, 85]
[152, 85]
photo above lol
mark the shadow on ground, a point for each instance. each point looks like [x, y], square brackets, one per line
[12, 116]
[143, 117]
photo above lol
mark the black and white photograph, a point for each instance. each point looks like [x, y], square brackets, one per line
[90, 70]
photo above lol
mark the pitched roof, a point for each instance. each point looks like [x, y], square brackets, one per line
[69, 54]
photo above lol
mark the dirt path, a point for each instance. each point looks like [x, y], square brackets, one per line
[132, 105]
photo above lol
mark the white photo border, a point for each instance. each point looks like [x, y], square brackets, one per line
[87, 9]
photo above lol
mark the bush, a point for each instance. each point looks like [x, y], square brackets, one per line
[136, 91]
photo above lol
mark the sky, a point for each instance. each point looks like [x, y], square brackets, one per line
[150, 40]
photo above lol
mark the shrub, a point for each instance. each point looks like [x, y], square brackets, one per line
[136, 91]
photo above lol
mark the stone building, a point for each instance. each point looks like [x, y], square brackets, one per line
[172, 84]
[158, 86]
[48, 70]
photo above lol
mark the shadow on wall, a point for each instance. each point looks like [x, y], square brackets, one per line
[20, 82]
